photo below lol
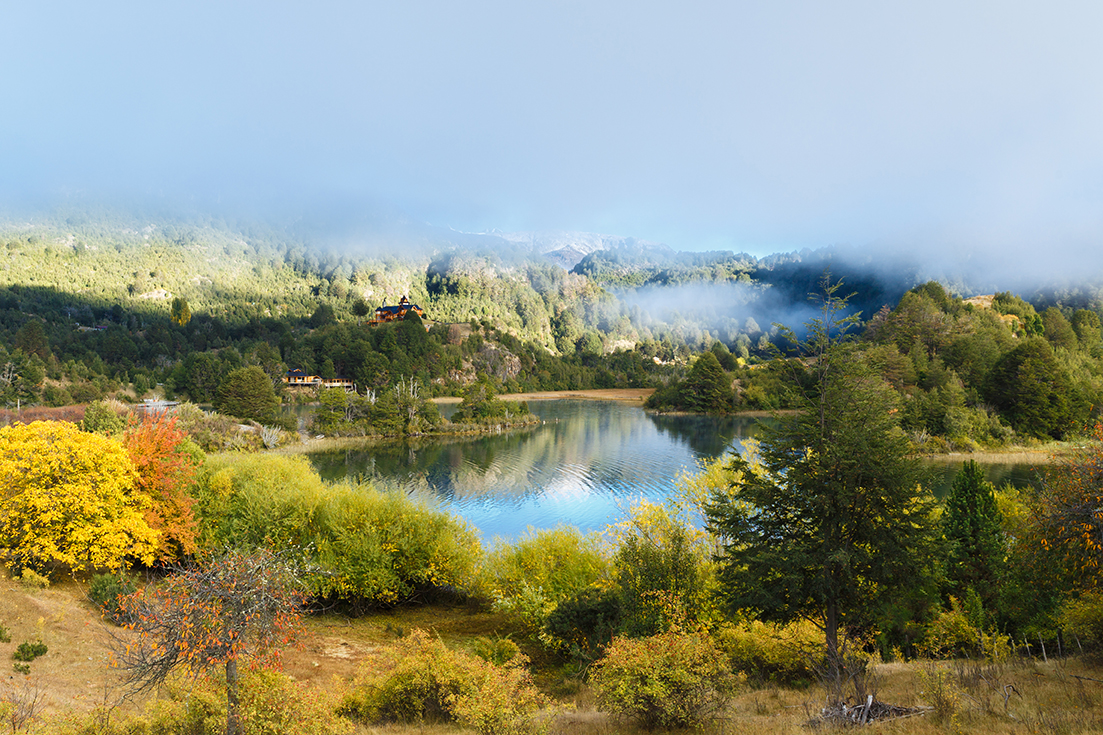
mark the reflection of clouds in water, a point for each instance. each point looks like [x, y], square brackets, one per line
[584, 466]
[570, 483]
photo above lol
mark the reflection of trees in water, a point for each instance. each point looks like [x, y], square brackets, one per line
[709, 436]
[999, 474]
[581, 448]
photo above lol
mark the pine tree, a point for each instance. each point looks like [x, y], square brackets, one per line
[971, 526]
[835, 519]
[706, 388]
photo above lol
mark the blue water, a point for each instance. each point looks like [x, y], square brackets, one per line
[585, 465]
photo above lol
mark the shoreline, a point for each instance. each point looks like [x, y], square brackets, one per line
[1021, 455]
[625, 395]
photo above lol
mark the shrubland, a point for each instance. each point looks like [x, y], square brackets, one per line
[360, 545]
[629, 621]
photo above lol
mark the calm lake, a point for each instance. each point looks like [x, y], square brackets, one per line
[585, 465]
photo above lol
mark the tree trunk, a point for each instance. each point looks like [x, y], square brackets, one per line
[831, 628]
[233, 699]
[835, 673]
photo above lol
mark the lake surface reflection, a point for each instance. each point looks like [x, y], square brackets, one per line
[585, 465]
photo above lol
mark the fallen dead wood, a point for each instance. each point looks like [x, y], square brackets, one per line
[863, 714]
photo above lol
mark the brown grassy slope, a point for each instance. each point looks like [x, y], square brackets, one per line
[1059, 696]
[76, 672]
[73, 673]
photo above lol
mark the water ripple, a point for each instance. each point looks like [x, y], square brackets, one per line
[584, 466]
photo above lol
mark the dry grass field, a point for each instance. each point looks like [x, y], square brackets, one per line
[1028, 696]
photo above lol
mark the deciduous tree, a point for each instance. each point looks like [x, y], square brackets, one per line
[69, 497]
[1069, 524]
[1033, 391]
[236, 606]
[164, 473]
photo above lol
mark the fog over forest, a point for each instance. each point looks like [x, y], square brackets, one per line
[968, 150]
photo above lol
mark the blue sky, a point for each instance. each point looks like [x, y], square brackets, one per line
[955, 127]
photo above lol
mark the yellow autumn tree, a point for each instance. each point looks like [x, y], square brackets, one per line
[68, 498]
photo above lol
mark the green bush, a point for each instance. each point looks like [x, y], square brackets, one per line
[952, 634]
[213, 432]
[105, 590]
[1083, 618]
[659, 578]
[248, 394]
[497, 650]
[426, 681]
[673, 679]
[28, 651]
[5, 634]
[773, 653]
[271, 704]
[100, 418]
[530, 577]
[31, 579]
[364, 544]
[386, 547]
[584, 624]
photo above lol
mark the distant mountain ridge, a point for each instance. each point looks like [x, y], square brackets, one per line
[567, 249]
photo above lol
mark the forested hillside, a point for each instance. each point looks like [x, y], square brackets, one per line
[90, 306]
[982, 372]
[95, 303]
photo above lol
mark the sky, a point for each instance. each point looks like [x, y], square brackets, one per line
[961, 129]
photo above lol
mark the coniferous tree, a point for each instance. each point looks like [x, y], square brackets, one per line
[971, 526]
[247, 393]
[835, 519]
[31, 338]
[706, 388]
[1057, 329]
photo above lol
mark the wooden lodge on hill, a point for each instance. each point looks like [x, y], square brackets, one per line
[299, 379]
[397, 312]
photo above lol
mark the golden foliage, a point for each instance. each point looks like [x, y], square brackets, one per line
[68, 498]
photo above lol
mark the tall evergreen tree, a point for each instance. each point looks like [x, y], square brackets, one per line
[706, 388]
[971, 526]
[835, 519]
